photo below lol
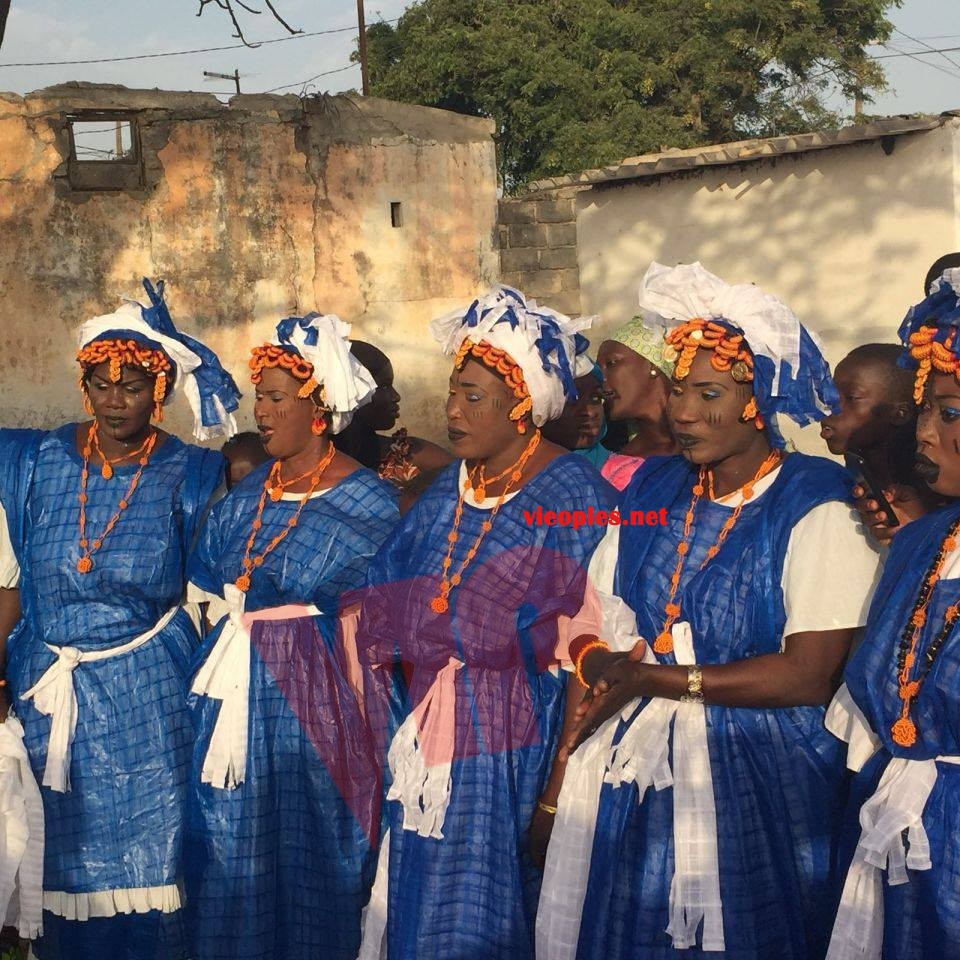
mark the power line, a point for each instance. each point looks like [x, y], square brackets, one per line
[303, 83]
[936, 66]
[919, 53]
[183, 53]
[949, 60]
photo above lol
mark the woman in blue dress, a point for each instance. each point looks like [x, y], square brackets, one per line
[102, 515]
[706, 820]
[474, 594]
[285, 783]
[899, 709]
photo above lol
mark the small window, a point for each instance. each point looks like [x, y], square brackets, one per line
[396, 214]
[104, 152]
[102, 140]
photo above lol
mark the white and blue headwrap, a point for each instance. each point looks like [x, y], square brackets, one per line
[546, 345]
[790, 374]
[210, 390]
[323, 341]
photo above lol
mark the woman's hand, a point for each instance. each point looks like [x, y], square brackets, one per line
[904, 500]
[541, 826]
[615, 688]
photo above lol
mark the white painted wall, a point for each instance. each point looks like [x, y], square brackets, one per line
[843, 235]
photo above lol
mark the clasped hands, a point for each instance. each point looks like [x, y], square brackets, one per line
[615, 679]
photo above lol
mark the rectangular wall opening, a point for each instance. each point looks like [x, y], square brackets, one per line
[104, 151]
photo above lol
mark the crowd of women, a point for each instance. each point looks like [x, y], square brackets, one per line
[330, 694]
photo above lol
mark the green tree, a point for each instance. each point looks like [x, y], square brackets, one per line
[574, 84]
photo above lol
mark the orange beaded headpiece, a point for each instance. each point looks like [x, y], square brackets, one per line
[269, 355]
[501, 363]
[730, 354]
[932, 354]
[128, 353]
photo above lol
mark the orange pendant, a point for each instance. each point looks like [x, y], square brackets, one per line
[106, 471]
[480, 493]
[663, 643]
[84, 565]
[439, 605]
[276, 493]
[242, 583]
[904, 732]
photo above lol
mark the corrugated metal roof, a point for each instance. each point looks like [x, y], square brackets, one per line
[743, 151]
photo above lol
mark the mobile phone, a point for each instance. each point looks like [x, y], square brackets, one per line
[862, 470]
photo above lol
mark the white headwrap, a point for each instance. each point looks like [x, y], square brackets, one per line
[687, 291]
[546, 345]
[795, 382]
[210, 390]
[323, 341]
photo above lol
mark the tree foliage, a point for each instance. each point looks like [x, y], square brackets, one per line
[573, 84]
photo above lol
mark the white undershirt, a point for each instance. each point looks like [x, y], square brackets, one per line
[829, 573]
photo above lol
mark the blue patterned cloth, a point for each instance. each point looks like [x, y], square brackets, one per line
[475, 892]
[778, 776]
[281, 866]
[922, 917]
[120, 824]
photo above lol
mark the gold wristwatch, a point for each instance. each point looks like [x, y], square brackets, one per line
[694, 692]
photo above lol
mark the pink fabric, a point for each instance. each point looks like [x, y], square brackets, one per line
[291, 611]
[436, 717]
[589, 620]
[349, 621]
[620, 468]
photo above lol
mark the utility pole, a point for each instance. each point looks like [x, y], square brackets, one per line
[235, 77]
[364, 83]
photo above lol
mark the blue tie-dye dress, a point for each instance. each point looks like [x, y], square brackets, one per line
[113, 840]
[474, 893]
[281, 866]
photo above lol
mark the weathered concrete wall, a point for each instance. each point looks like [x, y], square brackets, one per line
[538, 248]
[843, 235]
[251, 212]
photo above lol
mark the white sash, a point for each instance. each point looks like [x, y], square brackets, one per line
[21, 835]
[642, 756]
[421, 756]
[225, 676]
[54, 695]
[895, 807]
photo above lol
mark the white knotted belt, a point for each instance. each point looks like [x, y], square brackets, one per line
[225, 676]
[895, 808]
[21, 835]
[54, 695]
[641, 756]
[421, 756]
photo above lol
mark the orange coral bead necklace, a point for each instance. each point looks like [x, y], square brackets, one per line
[278, 485]
[441, 602]
[904, 729]
[478, 482]
[664, 641]
[249, 562]
[88, 547]
[106, 470]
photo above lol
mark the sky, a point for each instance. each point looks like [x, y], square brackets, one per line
[54, 30]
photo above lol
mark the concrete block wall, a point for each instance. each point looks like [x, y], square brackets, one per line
[538, 248]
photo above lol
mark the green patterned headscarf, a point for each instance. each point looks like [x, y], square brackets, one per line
[646, 337]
